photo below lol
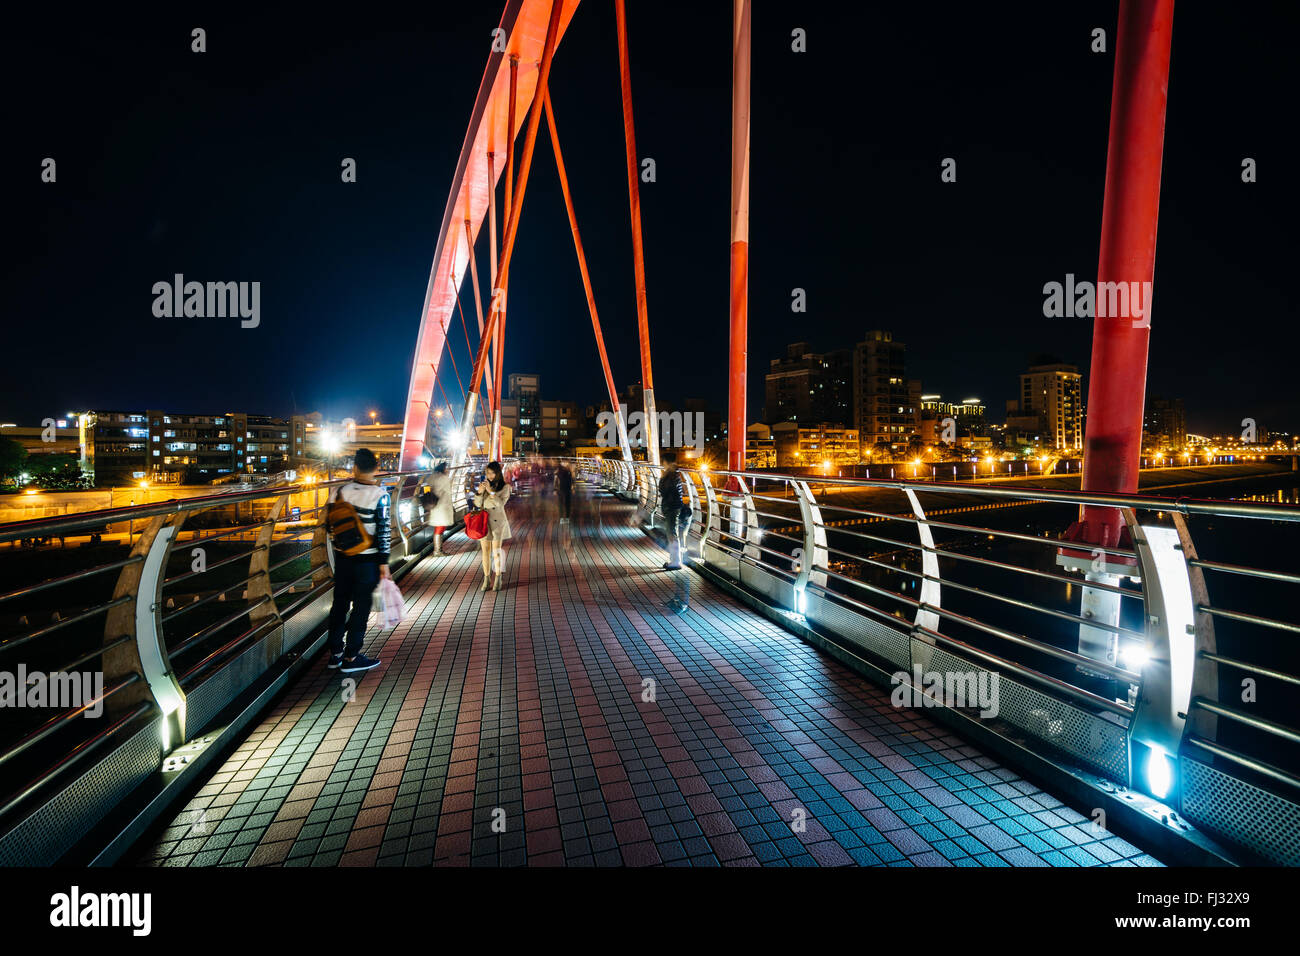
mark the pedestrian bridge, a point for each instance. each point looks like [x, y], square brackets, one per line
[598, 710]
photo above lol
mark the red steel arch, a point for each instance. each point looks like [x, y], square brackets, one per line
[523, 25]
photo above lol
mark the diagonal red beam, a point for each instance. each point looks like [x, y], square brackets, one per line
[498, 354]
[582, 261]
[638, 256]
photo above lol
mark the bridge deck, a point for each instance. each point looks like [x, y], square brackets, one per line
[525, 706]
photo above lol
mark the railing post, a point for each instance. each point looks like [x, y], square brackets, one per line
[259, 584]
[691, 492]
[710, 535]
[930, 588]
[141, 619]
[1205, 670]
[753, 533]
[399, 546]
[815, 553]
[1164, 697]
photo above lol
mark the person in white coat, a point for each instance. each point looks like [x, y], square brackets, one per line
[442, 514]
[492, 495]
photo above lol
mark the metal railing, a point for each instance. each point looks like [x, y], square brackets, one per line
[1189, 700]
[176, 608]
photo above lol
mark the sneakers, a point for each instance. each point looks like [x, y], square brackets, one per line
[334, 661]
[358, 663]
[672, 567]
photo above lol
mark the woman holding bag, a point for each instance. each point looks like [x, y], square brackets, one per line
[441, 514]
[493, 493]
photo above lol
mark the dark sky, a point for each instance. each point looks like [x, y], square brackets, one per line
[225, 166]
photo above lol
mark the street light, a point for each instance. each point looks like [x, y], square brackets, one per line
[330, 442]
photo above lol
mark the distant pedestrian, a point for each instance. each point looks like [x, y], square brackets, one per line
[671, 490]
[493, 493]
[564, 491]
[361, 509]
[439, 505]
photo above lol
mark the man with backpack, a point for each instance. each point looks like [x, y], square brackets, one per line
[358, 523]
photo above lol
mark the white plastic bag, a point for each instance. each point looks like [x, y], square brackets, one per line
[391, 606]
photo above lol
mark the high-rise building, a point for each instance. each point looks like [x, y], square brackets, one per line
[1164, 424]
[560, 424]
[1053, 394]
[525, 409]
[961, 420]
[969, 414]
[933, 406]
[886, 402]
[808, 386]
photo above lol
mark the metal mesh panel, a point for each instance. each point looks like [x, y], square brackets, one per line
[774, 586]
[720, 560]
[43, 837]
[306, 620]
[1254, 817]
[881, 640]
[1096, 741]
[207, 700]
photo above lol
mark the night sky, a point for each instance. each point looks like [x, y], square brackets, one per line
[224, 166]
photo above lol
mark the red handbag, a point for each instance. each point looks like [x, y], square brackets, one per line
[477, 525]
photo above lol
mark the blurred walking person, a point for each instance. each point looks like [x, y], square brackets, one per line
[564, 491]
[493, 493]
[676, 514]
[439, 504]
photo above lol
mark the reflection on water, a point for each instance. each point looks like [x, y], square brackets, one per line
[1281, 496]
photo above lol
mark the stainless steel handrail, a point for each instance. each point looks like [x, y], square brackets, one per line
[1186, 506]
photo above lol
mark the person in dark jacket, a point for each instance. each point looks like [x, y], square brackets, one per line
[357, 576]
[671, 492]
[564, 491]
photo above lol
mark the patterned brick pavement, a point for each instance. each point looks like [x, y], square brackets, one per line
[581, 716]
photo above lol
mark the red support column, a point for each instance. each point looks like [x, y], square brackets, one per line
[1117, 387]
[1130, 209]
[738, 371]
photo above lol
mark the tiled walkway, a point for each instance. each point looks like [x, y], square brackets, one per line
[581, 716]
